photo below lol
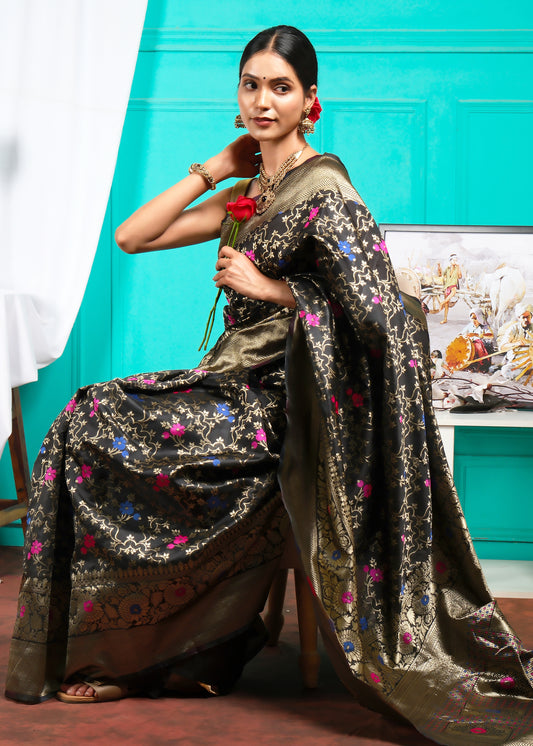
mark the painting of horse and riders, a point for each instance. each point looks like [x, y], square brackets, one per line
[475, 284]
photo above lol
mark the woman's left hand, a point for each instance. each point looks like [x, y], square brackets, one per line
[238, 272]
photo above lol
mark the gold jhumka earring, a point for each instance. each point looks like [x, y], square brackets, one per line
[239, 124]
[306, 126]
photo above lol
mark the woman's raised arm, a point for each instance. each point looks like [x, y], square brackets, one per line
[165, 223]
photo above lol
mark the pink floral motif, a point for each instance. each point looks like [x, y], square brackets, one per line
[71, 406]
[179, 539]
[250, 254]
[148, 380]
[413, 363]
[312, 215]
[478, 730]
[161, 481]
[96, 403]
[381, 247]
[231, 320]
[181, 591]
[366, 488]
[376, 574]
[507, 682]
[407, 638]
[428, 482]
[312, 319]
[50, 475]
[88, 543]
[22, 611]
[86, 473]
[260, 435]
[375, 678]
[377, 299]
[347, 598]
[36, 547]
[176, 429]
[301, 314]
[403, 538]
[88, 606]
[440, 567]
[335, 404]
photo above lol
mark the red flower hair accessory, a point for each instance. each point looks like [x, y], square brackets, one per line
[314, 114]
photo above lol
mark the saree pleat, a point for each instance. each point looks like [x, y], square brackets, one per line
[157, 518]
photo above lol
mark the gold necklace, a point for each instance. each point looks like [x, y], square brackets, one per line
[269, 184]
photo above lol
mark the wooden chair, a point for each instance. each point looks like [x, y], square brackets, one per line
[309, 659]
[11, 510]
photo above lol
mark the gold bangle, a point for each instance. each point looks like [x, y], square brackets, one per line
[198, 168]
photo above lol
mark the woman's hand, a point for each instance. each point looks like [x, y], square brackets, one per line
[238, 272]
[239, 159]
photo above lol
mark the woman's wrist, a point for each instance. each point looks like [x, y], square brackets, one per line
[277, 291]
[216, 169]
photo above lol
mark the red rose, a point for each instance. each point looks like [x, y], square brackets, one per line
[314, 114]
[242, 209]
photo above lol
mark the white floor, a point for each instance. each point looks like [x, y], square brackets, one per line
[509, 578]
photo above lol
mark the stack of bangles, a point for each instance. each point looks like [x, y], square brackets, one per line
[198, 168]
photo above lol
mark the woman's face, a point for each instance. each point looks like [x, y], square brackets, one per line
[271, 98]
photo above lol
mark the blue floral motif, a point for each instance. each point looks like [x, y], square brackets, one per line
[215, 502]
[348, 647]
[119, 443]
[345, 247]
[380, 660]
[424, 600]
[336, 555]
[135, 609]
[363, 622]
[126, 508]
[224, 410]
[215, 461]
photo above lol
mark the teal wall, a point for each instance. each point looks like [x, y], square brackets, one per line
[429, 104]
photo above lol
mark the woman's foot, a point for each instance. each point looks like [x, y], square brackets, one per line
[83, 692]
[82, 689]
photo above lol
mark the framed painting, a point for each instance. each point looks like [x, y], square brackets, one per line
[475, 284]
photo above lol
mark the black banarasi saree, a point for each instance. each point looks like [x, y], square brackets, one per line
[161, 502]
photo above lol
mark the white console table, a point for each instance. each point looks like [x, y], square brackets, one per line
[448, 421]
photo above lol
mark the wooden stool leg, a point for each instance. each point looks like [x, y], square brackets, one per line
[19, 457]
[309, 657]
[274, 617]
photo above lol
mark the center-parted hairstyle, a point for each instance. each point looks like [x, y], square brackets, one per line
[291, 44]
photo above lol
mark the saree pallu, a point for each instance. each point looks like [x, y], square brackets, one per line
[403, 607]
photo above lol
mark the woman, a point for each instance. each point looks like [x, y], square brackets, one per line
[482, 338]
[157, 520]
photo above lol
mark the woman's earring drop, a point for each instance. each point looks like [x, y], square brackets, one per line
[306, 126]
[239, 124]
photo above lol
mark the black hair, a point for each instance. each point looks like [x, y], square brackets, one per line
[291, 44]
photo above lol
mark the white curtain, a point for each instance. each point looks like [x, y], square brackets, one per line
[66, 68]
